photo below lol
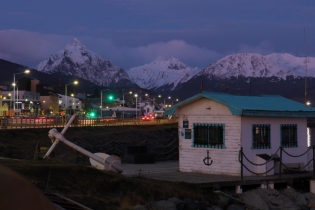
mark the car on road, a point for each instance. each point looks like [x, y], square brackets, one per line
[148, 117]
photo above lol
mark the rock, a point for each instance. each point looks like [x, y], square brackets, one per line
[180, 206]
[195, 206]
[163, 205]
[223, 201]
[188, 200]
[175, 200]
[290, 193]
[252, 199]
[311, 203]
[235, 207]
[140, 207]
[212, 207]
[309, 196]
[301, 200]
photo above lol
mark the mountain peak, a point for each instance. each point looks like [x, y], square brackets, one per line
[75, 59]
[75, 45]
[160, 72]
[169, 63]
[257, 65]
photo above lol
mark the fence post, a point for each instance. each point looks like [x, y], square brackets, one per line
[280, 167]
[242, 163]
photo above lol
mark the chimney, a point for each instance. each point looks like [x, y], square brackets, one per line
[34, 82]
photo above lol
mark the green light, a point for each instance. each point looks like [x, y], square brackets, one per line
[92, 114]
[111, 97]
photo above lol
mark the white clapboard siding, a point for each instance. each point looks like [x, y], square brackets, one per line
[201, 108]
[238, 134]
[225, 161]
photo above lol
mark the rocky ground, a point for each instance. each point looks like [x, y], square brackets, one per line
[65, 175]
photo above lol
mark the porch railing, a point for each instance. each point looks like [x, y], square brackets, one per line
[21, 123]
[242, 156]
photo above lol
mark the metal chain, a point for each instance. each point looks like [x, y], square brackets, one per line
[259, 173]
[293, 169]
[296, 155]
[261, 163]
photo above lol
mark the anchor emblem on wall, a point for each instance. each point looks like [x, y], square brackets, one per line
[207, 160]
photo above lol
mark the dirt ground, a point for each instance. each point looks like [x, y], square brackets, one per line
[22, 143]
[82, 183]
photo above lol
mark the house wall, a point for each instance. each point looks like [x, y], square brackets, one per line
[50, 103]
[225, 161]
[246, 130]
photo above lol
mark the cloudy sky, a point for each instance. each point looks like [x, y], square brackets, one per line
[134, 32]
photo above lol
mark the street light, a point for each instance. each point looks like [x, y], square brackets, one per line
[14, 84]
[153, 99]
[136, 95]
[175, 100]
[9, 94]
[74, 83]
[124, 103]
[16, 94]
[168, 98]
[102, 102]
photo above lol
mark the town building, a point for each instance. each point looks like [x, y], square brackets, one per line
[215, 129]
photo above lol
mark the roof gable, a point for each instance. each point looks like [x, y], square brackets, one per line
[264, 105]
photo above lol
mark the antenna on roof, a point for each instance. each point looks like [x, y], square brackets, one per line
[202, 87]
[305, 87]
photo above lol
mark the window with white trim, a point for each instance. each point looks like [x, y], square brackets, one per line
[289, 135]
[261, 136]
[208, 136]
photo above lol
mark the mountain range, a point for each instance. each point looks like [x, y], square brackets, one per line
[243, 73]
[77, 61]
[167, 72]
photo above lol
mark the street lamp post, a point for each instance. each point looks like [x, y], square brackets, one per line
[66, 103]
[168, 98]
[101, 106]
[136, 95]
[124, 103]
[10, 100]
[175, 100]
[154, 100]
[14, 84]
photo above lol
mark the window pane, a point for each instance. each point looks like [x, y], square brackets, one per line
[289, 135]
[209, 135]
[261, 136]
[201, 135]
[187, 133]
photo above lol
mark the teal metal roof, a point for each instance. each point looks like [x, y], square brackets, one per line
[264, 105]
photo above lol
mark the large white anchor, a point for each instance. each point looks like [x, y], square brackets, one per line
[99, 160]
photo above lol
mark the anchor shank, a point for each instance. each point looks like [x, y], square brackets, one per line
[62, 133]
[60, 137]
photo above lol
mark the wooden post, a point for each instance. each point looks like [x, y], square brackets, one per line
[36, 151]
[280, 167]
[242, 163]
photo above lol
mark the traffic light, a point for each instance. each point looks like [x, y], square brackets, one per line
[110, 97]
[92, 114]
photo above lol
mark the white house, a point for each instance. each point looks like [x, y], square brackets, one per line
[215, 127]
[69, 103]
[147, 109]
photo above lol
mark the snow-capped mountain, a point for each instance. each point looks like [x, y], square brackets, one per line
[256, 65]
[77, 61]
[162, 72]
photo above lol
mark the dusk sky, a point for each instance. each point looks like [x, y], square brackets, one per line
[134, 32]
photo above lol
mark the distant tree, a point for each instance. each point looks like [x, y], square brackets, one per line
[96, 93]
